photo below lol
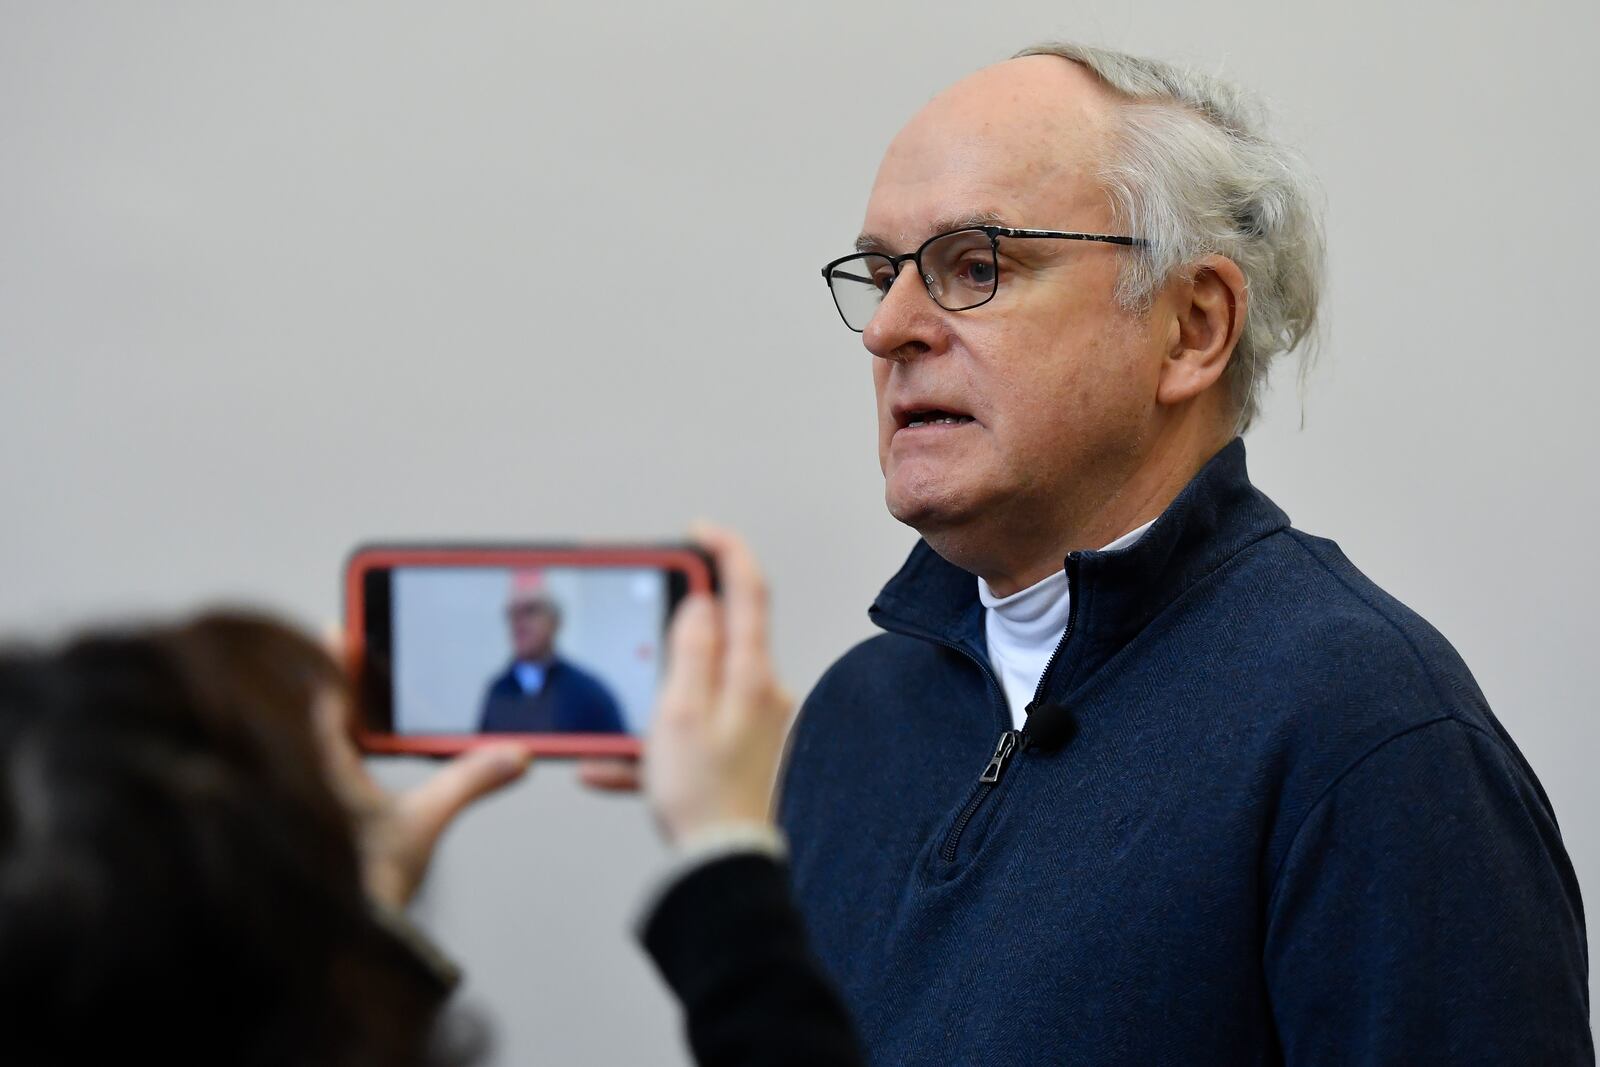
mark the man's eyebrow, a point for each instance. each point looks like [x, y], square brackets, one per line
[871, 242]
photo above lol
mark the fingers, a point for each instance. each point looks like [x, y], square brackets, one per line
[693, 648]
[611, 775]
[330, 725]
[341, 760]
[333, 642]
[744, 590]
[430, 807]
[745, 599]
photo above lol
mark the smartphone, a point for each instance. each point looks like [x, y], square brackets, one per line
[559, 647]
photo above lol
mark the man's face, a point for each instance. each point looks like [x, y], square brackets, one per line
[1055, 378]
[533, 629]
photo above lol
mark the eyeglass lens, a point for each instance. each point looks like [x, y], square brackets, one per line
[958, 270]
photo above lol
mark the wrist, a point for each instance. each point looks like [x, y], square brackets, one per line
[387, 885]
[710, 819]
[708, 845]
[730, 835]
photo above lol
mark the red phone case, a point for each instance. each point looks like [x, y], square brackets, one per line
[687, 560]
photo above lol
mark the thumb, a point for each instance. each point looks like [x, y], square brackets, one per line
[431, 806]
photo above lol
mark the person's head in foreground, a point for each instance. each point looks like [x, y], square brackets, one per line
[1042, 393]
[178, 879]
[195, 865]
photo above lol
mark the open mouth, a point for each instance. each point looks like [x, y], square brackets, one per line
[912, 420]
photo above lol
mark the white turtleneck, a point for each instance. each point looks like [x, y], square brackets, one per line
[1023, 630]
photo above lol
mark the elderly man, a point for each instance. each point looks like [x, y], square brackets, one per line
[1140, 773]
[542, 692]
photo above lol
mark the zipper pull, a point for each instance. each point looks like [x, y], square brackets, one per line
[1002, 754]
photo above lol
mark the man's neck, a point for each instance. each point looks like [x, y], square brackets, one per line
[1138, 499]
[1003, 583]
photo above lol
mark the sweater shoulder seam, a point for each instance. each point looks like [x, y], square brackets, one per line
[1416, 653]
[1355, 765]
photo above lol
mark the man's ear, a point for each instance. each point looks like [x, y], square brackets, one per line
[1210, 311]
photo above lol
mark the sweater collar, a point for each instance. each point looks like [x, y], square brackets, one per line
[1115, 594]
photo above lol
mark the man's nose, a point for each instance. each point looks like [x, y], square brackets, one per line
[907, 323]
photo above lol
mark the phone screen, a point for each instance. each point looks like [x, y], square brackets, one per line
[534, 646]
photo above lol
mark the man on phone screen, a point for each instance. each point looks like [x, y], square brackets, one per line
[540, 692]
[1139, 773]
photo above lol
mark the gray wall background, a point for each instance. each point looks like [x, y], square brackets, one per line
[279, 278]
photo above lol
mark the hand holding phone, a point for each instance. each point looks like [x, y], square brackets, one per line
[434, 626]
[719, 730]
[398, 832]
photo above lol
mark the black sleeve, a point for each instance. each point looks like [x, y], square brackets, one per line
[728, 940]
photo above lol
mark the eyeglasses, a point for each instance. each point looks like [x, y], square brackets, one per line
[958, 269]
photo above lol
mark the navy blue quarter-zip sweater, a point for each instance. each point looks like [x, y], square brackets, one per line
[1286, 829]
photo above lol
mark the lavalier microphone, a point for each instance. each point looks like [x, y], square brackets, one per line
[1049, 727]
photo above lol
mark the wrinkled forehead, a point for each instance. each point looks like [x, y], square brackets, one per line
[1020, 144]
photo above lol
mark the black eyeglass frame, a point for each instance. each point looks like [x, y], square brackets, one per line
[994, 233]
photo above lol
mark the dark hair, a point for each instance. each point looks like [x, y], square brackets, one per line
[177, 878]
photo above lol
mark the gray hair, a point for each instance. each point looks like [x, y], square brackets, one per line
[1193, 172]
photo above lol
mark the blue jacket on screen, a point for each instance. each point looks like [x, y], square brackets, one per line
[571, 701]
[1285, 829]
